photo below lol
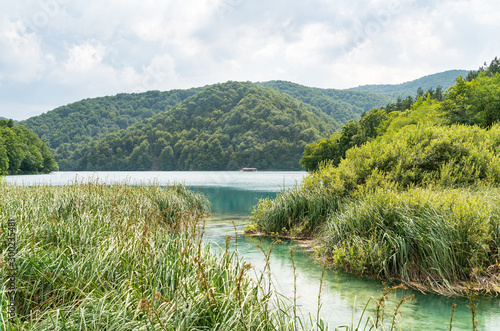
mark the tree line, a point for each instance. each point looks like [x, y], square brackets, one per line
[224, 127]
[22, 151]
[474, 100]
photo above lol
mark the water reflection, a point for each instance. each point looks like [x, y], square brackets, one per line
[230, 203]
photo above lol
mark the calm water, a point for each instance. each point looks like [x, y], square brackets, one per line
[233, 195]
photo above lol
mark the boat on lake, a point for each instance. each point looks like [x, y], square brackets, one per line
[249, 169]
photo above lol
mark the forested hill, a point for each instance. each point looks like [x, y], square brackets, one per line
[22, 152]
[444, 79]
[224, 127]
[109, 133]
[89, 118]
[343, 105]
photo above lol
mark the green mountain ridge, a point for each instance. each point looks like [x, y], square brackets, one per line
[444, 79]
[343, 105]
[224, 127]
[74, 131]
[88, 118]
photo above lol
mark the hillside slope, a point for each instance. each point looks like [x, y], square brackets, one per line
[342, 105]
[89, 118]
[224, 127]
[444, 79]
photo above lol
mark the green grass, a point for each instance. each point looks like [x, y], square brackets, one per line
[295, 212]
[98, 257]
[94, 257]
[429, 238]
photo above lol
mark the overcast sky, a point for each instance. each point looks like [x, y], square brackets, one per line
[54, 52]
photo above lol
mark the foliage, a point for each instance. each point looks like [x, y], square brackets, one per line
[75, 132]
[353, 134]
[444, 79]
[224, 127]
[462, 103]
[22, 152]
[487, 69]
[342, 105]
[394, 194]
[417, 155]
[409, 102]
[474, 102]
[432, 237]
[79, 121]
[362, 99]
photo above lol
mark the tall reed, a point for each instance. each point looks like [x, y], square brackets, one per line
[432, 238]
[97, 257]
[121, 258]
[295, 212]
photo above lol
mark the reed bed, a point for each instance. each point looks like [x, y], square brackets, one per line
[97, 257]
[430, 239]
[295, 212]
[425, 238]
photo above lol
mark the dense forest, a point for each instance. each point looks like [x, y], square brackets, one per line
[444, 79]
[471, 101]
[22, 152]
[342, 105]
[371, 124]
[79, 121]
[224, 127]
[407, 194]
[114, 132]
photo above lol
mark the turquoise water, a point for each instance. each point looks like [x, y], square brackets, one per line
[233, 195]
[340, 290]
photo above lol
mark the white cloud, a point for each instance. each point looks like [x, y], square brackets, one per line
[150, 29]
[87, 70]
[85, 58]
[90, 48]
[21, 59]
[159, 74]
[314, 45]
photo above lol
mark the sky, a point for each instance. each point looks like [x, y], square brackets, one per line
[55, 52]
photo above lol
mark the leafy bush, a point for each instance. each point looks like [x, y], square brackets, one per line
[417, 155]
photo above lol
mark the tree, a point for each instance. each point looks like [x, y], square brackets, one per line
[474, 102]
[21, 151]
[141, 158]
[166, 159]
[4, 159]
[439, 93]
[489, 70]
[420, 92]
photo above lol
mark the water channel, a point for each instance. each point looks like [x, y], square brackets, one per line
[233, 194]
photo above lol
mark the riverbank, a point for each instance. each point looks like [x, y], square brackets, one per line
[117, 257]
[430, 240]
[340, 292]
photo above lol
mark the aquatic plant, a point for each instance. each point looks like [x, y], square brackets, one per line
[425, 238]
[121, 258]
[118, 257]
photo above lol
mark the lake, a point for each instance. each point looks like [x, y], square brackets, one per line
[233, 194]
